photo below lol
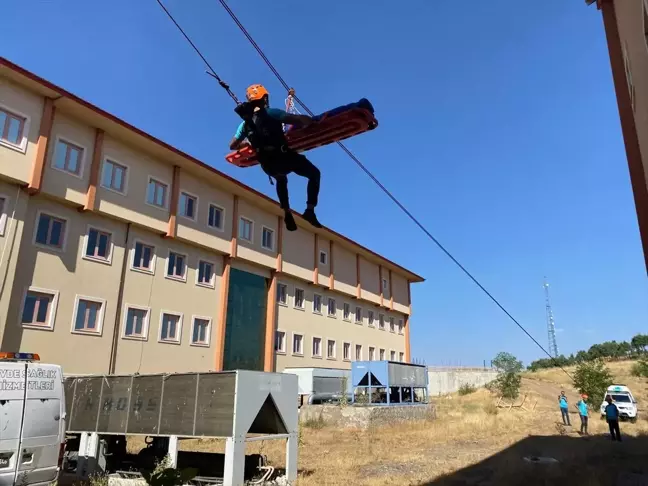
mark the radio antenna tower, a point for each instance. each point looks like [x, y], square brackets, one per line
[551, 325]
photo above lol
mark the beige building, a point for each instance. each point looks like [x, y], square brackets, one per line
[626, 30]
[119, 253]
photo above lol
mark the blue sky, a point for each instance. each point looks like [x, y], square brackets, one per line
[498, 129]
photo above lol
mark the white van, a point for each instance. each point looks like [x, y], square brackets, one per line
[32, 420]
[623, 399]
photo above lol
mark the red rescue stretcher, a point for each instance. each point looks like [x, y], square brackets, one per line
[329, 127]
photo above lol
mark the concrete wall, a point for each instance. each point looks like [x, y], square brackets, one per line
[445, 380]
[365, 417]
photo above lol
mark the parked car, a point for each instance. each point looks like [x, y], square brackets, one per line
[624, 400]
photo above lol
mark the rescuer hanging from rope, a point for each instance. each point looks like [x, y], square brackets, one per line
[262, 126]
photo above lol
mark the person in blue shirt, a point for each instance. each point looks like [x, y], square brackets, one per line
[564, 408]
[612, 417]
[262, 126]
[582, 412]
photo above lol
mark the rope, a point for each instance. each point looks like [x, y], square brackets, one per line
[211, 71]
[376, 181]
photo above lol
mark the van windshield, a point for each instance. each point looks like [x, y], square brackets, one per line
[621, 398]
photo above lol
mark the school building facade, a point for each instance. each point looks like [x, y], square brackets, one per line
[121, 254]
[626, 31]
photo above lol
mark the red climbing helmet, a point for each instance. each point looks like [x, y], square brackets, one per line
[256, 92]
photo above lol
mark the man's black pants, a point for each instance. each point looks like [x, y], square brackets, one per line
[279, 164]
[615, 432]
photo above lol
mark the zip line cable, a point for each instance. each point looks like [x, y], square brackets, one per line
[223, 84]
[353, 157]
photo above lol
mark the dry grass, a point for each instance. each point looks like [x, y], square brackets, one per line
[469, 430]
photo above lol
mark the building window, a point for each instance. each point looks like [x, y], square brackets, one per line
[401, 357]
[215, 217]
[645, 21]
[346, 312]
[246, 228]
[12, 128]
[39, 308]
[381, 321]
[170, 327]
[384, 284]
[358, 315]
[317, 347]
[358, 352]
[400, 326]
[156, 193]
[382, 355]
[98, 245]
[267, 238]
[298, 344]
[628, 73]
[280, 342]
[136, 322]
[50, 231]
[3, 214]
[188, 205]
[299, 298]
[370, 318]
[88, 315]
[332, 308]
[323, 257]
[200, 331]
[176, 266]
[330, 349]
[205, 276]
[392, 355]
[113, 176]
[282, 293]
[144, 257]
[346, 351]
[372, 353]
[68, 157]
[317, 303]
[392, 325]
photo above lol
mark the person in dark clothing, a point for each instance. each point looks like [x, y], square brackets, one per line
[262, 126]
[612, 417]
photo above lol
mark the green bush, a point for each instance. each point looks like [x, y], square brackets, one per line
[508, 380]
[467, 389]
[640, 368]
[593, 378]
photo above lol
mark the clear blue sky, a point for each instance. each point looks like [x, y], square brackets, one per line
[498, 129]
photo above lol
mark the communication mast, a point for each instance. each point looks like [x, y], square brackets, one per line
[551, 325]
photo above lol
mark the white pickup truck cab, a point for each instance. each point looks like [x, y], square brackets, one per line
[32, 420]
[623, 399]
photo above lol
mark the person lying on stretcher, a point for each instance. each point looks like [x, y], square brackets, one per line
[262, 126]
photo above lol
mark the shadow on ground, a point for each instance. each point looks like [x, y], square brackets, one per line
[586, 461]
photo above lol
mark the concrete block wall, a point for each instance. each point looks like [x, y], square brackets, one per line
[444, 380]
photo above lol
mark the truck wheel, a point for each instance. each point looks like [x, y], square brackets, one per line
[633, 420]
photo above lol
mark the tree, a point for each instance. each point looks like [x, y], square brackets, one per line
[508, 379]
[593, 378]
[640, 343]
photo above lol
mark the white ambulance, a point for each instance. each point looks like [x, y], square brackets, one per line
[624, 400]
[32, 420]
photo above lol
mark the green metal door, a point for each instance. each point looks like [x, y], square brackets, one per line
[245, 325]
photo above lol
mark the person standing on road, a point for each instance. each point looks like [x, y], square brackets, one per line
[582, 412]
[564, 408]
[612, 417]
